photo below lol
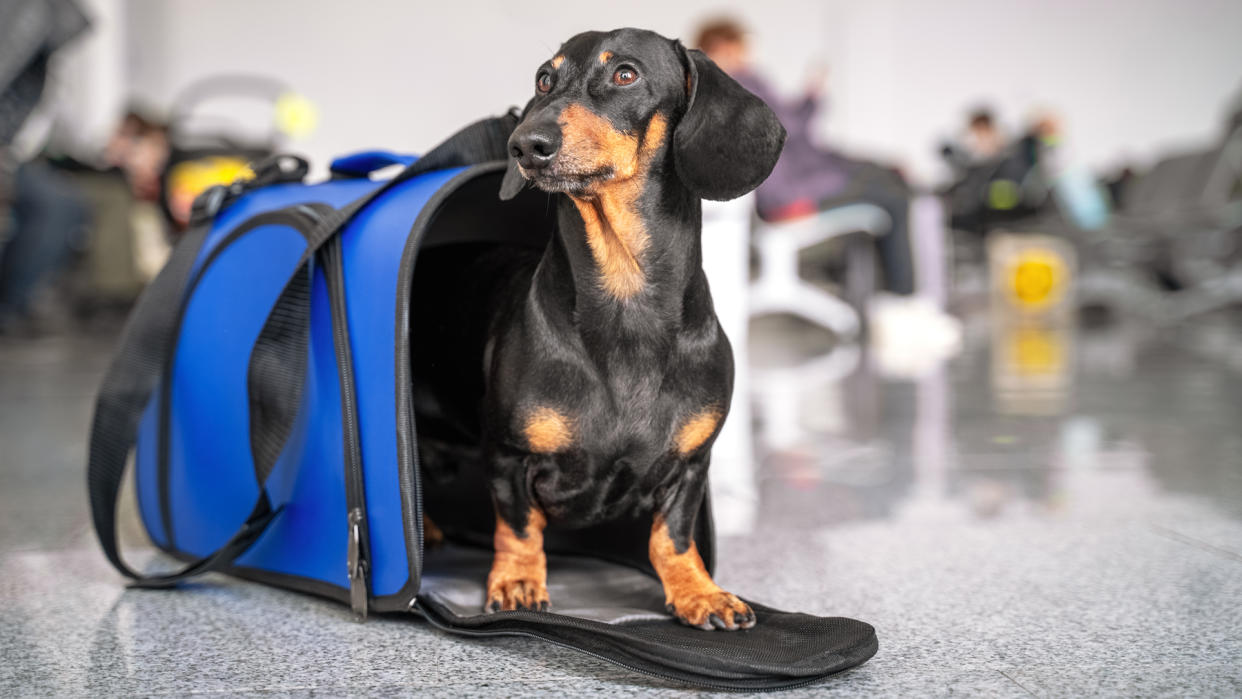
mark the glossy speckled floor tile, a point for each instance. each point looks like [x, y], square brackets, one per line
[1055, 515]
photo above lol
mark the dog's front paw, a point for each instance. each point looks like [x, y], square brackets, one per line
[507, 595]
[712, 610]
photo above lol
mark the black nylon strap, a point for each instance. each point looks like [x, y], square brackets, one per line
[481, 142]
[134, 375]
[127, 388]
[276, 371]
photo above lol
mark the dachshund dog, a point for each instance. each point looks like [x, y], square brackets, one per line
[607, 375]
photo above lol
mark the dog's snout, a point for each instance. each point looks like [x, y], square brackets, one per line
[534, 148]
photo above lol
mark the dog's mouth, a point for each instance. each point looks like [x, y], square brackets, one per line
[565, 180]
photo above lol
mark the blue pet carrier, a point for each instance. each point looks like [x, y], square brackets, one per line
[263, 382]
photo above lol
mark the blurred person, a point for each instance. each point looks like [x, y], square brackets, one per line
[997, 181]
[980, 146]
[139, 148]
[1066, 184]
[984, 140]
[810, 178]
[121, 140]
[40, 211]
[127, 241]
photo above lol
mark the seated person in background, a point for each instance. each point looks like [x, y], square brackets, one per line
[40, 212]
[998, 181]
[984, 141]
[809, 178]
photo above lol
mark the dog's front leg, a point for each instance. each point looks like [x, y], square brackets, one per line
[690, 594]
[519, 577]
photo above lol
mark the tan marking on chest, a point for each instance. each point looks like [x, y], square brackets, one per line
[615, 231]
[696, 430]
[547, 431]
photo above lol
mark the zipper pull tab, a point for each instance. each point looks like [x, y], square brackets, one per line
[356, 566]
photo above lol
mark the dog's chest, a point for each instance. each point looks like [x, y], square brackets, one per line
[616, 443]
[614, 462]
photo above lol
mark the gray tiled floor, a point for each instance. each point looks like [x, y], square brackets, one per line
[1079, 532]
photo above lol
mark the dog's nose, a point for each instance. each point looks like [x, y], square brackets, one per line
[534, 148]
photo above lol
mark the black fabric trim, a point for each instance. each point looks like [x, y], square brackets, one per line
[407, 436]
[398, 601]
[783, 650]
[297, 583]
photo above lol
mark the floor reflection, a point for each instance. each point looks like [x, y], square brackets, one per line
[957, 508]
[1032, 419]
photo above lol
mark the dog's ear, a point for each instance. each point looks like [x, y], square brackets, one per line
[728, 141]
[513, 181]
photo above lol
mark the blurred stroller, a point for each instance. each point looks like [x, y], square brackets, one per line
[151, 172]
[214, 146]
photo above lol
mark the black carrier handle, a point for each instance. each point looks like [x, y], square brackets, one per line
[281, 168]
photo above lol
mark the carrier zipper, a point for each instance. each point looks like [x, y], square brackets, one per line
[357, 566]
[407, 437]
[358, 548]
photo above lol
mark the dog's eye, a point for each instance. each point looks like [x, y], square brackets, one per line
[625, 75]
[543, 82]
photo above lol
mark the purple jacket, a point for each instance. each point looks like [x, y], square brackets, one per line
[805, 173]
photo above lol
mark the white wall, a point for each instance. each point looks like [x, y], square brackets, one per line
[395, 74]
[1129, 76]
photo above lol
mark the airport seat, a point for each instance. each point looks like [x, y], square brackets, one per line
[780, 289]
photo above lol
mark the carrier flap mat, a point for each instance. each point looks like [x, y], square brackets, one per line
[616, 613]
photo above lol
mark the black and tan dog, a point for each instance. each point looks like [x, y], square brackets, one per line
[607, 375]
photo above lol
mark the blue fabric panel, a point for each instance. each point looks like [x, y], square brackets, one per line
[368, 161]
[267, 199]
[147, 478]
[309, 538]
[211, 482]
[372, 248]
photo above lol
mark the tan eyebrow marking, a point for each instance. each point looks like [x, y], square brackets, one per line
[605, 57]
[556, 62]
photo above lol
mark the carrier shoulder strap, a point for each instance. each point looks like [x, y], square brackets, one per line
[126, 390]
[276, 372]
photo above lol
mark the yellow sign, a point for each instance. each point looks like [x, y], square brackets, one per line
[1036, 351]
[1037, 278]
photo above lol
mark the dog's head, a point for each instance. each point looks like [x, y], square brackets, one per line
[607, 104]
